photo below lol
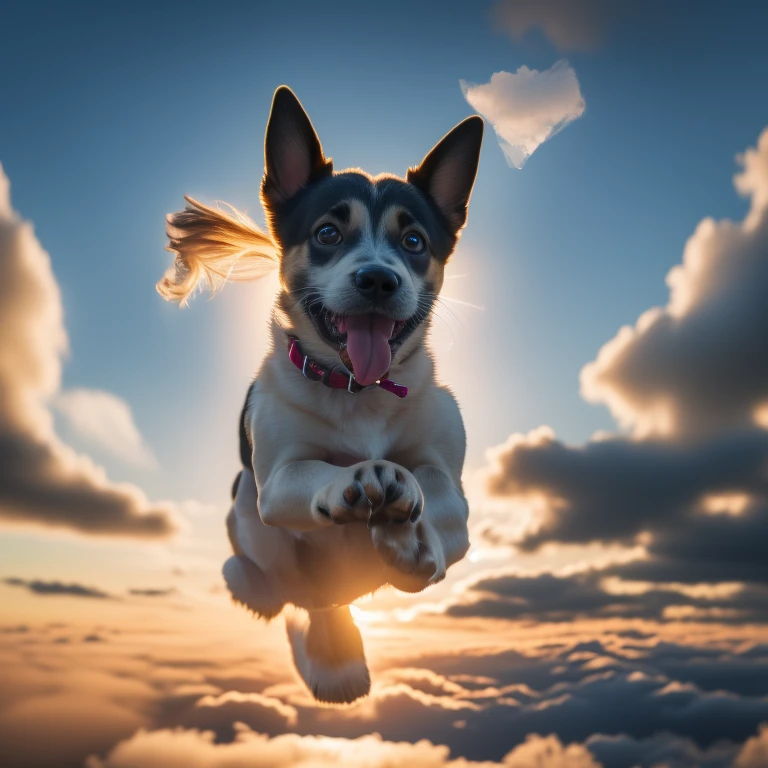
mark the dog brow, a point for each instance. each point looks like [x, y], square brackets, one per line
[404, 219]
[341, 212]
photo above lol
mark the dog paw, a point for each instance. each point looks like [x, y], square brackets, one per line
[377, 492]
[413, 556]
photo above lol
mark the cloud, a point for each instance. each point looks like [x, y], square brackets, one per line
[57, 588]
[42, 481]
[698, 365]
[618, 489]
[527, 108]
[220, 712]
[106, 420]
[660, 750]
[617, 701]
[754, 754]
[591, 595]
[79, 707]
[153, 592]
[689, 485]
[196, 749]
[549, 753]
[706, 548]
[570, 25]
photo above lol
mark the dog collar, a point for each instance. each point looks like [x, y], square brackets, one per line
[334, 377]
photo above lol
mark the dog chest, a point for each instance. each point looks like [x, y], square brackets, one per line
[359, 440]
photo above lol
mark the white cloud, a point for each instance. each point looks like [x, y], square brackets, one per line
[105, 419]
[527, 108]
[699, 364]
[42, 480]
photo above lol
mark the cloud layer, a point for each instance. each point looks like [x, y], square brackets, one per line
[42, 481]
[195, 749]
[635, 697]
[528, 107]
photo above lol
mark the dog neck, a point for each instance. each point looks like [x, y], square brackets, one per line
[412, 367]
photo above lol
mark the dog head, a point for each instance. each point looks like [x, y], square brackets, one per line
[361, 258]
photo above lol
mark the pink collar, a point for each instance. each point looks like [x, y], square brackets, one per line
[335, 378]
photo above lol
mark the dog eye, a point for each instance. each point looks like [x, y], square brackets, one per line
[413, 242]
[328, 235]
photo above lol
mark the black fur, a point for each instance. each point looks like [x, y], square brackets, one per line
[320, 255]
[246, 448]
[293, 220]
[289, 128]
[341, 212]
[460, 148]
[236, 484]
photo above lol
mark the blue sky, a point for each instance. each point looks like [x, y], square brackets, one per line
[110, 115]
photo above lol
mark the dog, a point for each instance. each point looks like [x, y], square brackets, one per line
[352, 453]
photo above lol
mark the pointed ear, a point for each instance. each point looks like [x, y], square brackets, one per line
[448, 172]
[293, 156]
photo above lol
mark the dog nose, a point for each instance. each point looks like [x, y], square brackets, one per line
[376, 283]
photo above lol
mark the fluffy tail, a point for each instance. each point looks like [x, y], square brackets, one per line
[328, 653]
[211, 247]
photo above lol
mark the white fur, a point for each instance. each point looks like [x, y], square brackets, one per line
[332, 684]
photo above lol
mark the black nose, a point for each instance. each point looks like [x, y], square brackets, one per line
[376, 283]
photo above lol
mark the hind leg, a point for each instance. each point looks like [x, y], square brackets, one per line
[249, 586]
[247, 583]
[328, 652]
[254, 574]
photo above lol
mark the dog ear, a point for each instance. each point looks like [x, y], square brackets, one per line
[293, 156]
[448, 172]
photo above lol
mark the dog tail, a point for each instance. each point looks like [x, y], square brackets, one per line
[328, 653]
[211, 247]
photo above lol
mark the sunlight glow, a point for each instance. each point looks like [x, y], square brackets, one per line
[616, 586]
[725, 503]
[359, 616]
[761, 415]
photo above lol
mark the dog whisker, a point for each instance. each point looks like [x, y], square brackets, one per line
[463, 303]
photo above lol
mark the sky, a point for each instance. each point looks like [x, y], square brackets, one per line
[604, 329]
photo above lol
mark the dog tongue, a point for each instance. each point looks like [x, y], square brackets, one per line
[368, 346]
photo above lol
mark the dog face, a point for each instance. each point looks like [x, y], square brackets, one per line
[362, 258]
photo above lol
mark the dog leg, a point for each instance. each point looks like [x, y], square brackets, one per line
[328, 653]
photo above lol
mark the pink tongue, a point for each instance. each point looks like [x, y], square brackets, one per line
[368, 346]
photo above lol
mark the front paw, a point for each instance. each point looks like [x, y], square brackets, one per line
[377, 492]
